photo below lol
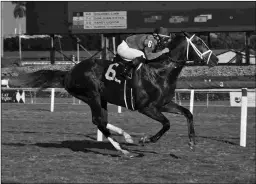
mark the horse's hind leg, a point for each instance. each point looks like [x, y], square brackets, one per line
[177, 109]
[155, 114]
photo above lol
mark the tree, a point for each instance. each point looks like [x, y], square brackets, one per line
[20, 9]
[18, 13]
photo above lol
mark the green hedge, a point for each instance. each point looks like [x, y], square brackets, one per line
[198, 97]
[91, 42]
[182, 96]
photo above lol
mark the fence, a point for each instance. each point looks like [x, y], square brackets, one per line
[181, 96]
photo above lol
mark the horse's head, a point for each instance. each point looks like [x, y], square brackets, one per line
[195, 49]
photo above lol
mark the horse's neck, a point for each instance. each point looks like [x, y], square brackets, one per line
[178, 50]
[174, 61]
[178, 61]
[175, 72]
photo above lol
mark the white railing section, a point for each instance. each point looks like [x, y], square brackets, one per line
[52, 99]
[243, 122]
[244, 105]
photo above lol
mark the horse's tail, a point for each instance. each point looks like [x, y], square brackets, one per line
[40, 79]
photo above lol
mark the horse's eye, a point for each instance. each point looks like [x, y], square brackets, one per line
[198, 42]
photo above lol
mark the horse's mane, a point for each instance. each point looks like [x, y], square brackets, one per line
[160, 59]
[176, 39]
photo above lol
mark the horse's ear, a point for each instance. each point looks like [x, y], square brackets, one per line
[186, 34]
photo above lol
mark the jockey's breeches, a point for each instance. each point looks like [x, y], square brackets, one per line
[128, 53]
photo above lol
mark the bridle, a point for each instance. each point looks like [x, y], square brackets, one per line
[189, 41]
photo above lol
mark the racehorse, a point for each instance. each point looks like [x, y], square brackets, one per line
[150, 91]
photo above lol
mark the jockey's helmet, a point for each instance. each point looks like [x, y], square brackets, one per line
[162, 36]
[162, 32]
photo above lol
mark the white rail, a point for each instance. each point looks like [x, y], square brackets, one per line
[243, 121]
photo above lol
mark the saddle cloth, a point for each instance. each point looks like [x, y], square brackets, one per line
[119, 91]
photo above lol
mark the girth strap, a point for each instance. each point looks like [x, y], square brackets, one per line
[128, 97]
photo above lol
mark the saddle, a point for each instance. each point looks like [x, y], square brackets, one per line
[124, 64]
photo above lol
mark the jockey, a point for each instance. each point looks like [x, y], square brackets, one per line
[142, 45]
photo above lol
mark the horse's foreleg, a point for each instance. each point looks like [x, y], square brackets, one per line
[99, 118]
[155, 114]
[118, 130]
[177, 109]
[104, 108]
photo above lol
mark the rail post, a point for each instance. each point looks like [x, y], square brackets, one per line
[78, 56]
[52, 99]
[207, 99]
[119, 109]
[243, 124]
[52, 51]
[192, 92]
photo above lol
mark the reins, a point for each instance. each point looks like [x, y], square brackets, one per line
[177, 62]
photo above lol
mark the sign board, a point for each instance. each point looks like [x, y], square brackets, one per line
[175, 21]
[235, 99]
[178, 19]
[12, 96]
[100, 20]
[5, 83]
[81, 17]
[202, 18]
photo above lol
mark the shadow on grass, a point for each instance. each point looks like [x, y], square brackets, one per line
[216, 138]
[86, 146]
[219, 139]
[90, 136]
[90, 146]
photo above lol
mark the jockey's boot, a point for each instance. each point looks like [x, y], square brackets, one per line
[127, 72]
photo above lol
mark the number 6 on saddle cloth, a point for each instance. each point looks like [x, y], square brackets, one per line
[120, 86]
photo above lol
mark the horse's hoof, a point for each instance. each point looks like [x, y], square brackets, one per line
[128, 138]
[128, 155]
[130, 141]
[144, 140]
[191, 146]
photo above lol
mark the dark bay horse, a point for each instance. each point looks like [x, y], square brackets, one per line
[151, 89]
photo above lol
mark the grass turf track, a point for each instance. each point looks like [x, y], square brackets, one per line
[40, 146]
